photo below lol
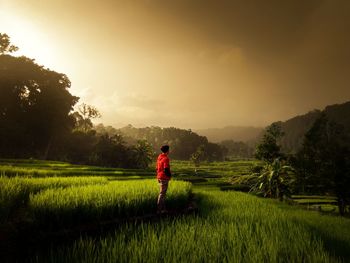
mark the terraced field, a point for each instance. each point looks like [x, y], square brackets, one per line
[228, 226]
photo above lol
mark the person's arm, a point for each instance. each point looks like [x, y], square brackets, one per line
[167, 167]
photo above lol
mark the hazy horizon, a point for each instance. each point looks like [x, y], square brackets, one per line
[140, 125]
[190, 64]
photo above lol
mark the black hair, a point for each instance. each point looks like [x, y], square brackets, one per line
[164, 148]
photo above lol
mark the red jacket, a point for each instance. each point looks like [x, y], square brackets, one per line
[163, 167]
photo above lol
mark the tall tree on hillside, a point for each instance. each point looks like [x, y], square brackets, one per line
[269, 149]
[198, 156]
[83, 117]
[35, 105]
[324, 160]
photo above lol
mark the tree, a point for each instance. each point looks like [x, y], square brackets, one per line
[35, 106]
[198, 156]
[237, 149]
[215, 152]
[110, 151]
[84, 115]
[268, 150]
[80, 147]
[143, 154]
[5, 45]
[324, 161]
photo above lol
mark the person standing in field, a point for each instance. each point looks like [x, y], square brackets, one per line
[163, 177]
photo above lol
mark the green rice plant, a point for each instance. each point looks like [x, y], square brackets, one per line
[231, 227]
[47, 171]
[13, 194]
[118, 199]
[213, 169]
[14, 191]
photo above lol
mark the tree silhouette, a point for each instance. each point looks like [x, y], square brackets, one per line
[5, 45]
[84, 115]
[268, 150]
[325, 160]
[35, 106]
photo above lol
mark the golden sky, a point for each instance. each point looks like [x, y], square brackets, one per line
[190, 63]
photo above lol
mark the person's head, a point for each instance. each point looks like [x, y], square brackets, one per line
[165, 149]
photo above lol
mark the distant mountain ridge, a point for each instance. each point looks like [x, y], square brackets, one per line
[295, 128]
[236, 133]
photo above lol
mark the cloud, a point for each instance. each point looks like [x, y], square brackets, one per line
[200, 63]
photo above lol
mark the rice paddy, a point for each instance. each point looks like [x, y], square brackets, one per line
[229, 226]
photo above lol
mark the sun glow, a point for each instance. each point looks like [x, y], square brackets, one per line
[31, 41]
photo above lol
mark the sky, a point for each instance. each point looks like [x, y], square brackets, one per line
[190, 63]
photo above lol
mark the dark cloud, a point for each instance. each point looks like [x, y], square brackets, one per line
[268, 26]
[214, 62]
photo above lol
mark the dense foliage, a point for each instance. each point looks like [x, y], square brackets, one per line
[321, 166]
[269, 149]
[183, 143]
[323, 163]
[238, 149]
[34, 108]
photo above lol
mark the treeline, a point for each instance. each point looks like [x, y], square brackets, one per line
[238, 149]
[39, 118]
[183, 143]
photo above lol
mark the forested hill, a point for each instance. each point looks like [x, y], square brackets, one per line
[296, 127]
[183, 143]
[235, 133]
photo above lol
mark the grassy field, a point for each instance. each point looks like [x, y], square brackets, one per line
[229, 226]
[39, 168]
[326, 204]
[15, 191]
[214, 169]
[118, 199]
[64, 201]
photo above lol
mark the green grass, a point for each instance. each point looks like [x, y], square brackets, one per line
[214, 169]
[118, 199]
[181, 169]
[15, 191]
[326, 204]
[231, 227]
[39, 168]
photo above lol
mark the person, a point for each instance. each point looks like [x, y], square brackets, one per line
[163, 177]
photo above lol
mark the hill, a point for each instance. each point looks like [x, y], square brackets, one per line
[183, 142]
[295, 128]
[235, 133]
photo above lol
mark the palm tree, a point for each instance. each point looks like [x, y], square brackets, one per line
[275, 180]
[143, 154]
